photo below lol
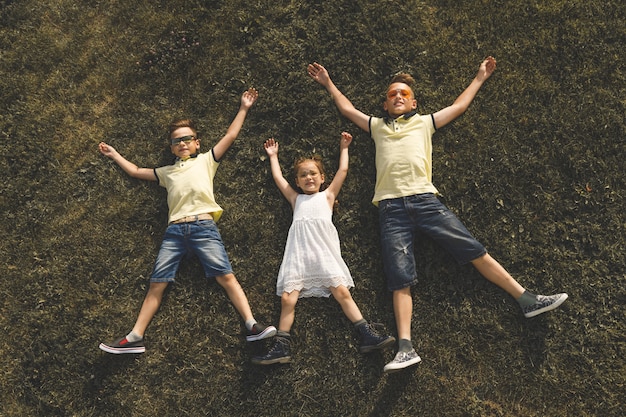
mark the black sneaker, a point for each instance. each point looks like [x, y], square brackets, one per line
[279, 353]
[371, 340]
[544, 303]
[259, 332]
[122, 345]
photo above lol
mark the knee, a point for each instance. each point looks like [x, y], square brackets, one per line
[157, 288]
[227, 281]
[482, 261]
[288, 299]
[341, 293]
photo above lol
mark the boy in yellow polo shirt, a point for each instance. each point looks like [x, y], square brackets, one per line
[191, 229]
[407, 199]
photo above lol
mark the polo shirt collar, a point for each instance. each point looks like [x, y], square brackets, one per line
[195, 155]
[405, 116]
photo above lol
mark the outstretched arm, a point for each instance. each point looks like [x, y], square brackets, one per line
[342, 170]
[248, 98]
[320, 74]
[127, 166]
[271, 147]
[460, 105]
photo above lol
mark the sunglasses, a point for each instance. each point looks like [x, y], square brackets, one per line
[406, 94]
[186, 139]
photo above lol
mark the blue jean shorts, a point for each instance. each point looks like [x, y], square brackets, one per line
[200, 238]
[404, 219]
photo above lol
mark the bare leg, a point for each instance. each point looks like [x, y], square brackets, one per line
[403, 310]
[236, 295]
[150, 306]
[349, 307]
[288, 310]
[494, 272]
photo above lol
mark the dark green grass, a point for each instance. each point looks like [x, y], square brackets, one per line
[534, 168]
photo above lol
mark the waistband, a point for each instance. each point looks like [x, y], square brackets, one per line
[194, 218]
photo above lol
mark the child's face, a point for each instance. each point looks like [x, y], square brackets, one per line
[399, 100]
[187, 147]
[309, 178]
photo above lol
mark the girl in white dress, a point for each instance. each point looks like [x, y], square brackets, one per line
[312, 265]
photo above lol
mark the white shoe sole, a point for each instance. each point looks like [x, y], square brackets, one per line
[547, 308]
[268, 332]
[119, 351]
[395, 367]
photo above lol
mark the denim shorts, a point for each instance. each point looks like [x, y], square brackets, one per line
[200, 238]
[404, 219]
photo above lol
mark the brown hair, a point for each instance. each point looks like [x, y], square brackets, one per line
[403, 78]
[177, 124]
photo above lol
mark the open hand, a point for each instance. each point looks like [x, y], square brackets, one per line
[318, 73]
[249, 97]
[271, 147]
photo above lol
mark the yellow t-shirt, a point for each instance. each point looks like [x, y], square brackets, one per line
[189, 186]
[403, 156]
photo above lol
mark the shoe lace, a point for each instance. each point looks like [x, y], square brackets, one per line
[278, 346]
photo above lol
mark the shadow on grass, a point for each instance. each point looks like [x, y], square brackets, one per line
[109, 365]
[394, 389]
[99, 390]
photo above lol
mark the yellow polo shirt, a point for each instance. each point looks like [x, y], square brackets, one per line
[403, 156]
[189, 186]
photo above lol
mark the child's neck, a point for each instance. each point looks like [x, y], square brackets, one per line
[186, 157]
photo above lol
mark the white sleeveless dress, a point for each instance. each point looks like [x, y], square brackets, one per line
[312, 260]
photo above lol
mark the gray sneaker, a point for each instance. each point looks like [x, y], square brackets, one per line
[544, 303]
[402, 360]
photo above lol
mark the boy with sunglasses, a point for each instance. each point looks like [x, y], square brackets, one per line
[408, 203]
[191, 229]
